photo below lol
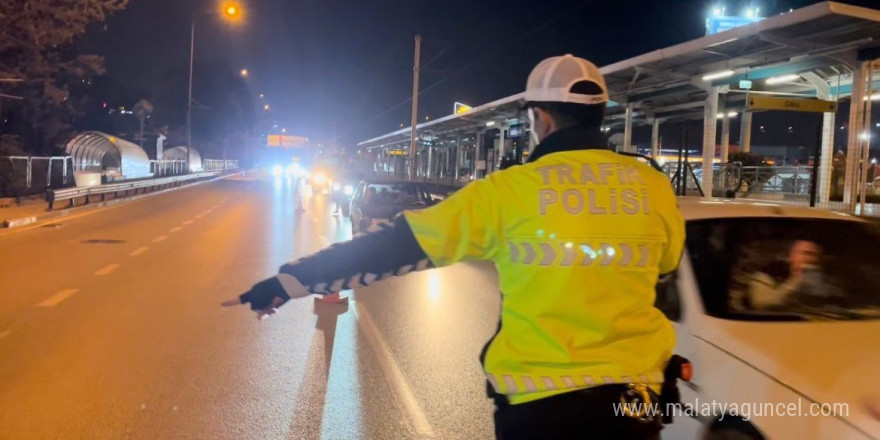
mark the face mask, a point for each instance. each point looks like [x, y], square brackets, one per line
[533, 133]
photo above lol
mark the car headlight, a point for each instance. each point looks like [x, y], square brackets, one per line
[277, 170]
[336, 187]
[348, 190]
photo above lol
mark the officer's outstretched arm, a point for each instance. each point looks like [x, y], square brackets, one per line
[462, 227]
[388, 251]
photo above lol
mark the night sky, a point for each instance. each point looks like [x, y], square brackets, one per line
[338, 68]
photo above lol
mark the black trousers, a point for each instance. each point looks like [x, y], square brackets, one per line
[584, 414]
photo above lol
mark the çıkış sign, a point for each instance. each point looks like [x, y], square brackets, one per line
[757, 102]
[277, 140]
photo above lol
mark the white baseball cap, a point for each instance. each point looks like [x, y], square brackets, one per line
[553, 79]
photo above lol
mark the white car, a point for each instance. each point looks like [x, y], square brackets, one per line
[778, 308]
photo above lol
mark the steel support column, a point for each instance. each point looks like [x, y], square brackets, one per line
[853, 143]
[710, 122]
[745, 132]
[627, 129]
[725, 128]
[655, 138]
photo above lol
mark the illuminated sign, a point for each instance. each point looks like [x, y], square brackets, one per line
[278, 140]
[757, 102]
[716, 24]
[397, 153]
[461, 108]
[515, 131]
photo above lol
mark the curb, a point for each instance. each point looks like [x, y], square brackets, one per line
[24, 221]
[17, 222]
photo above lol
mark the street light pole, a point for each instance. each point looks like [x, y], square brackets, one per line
[415, 109]
[189, 101]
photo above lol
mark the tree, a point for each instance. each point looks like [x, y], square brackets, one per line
[38, 46]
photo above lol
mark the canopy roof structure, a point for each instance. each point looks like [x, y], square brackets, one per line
[179, 153]
[100, 152]
[806, 52]
[815, 49]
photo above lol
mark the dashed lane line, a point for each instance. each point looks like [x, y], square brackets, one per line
[400, 388]
[160, 238]
[175, 229]
[138, 251]
[106, 270]
[58, 298]
[188, 222]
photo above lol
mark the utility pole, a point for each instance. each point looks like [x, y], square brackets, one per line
[415, 109]
[189, 101]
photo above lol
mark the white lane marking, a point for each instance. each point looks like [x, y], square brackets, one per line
[206, 212]
[106, 270]
[5, 334]
[188, 222]
[57, 298]
[399, 386]
[160, 238]
[175, 229]
[139, 251]
[199, 216]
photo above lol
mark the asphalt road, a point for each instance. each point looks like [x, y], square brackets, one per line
[110, 328]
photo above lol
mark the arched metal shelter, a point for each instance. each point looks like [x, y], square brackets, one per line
[100, 152]
[179, 153]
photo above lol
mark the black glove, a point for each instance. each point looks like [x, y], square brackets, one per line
[262, 295]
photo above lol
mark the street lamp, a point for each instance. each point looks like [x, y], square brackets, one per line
[266, 107]
[231, 11]
[244, 73]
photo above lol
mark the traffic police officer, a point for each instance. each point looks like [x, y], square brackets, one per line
[579, 235]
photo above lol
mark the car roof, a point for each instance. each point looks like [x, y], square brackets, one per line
[700, 208]
[390, 182]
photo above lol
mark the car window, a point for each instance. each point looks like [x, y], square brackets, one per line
[394, 193]
[786, 269]
[668, 300]
[358, 193]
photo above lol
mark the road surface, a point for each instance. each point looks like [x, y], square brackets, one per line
[110, 328]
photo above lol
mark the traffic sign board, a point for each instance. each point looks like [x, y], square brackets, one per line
[460, 108]
[758, 102]
[277, 140]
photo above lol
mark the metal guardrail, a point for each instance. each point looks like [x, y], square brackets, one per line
[140, 186]
[794, 180]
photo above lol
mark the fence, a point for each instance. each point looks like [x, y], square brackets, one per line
[161, 168]
[790, 184]
[27, 175]
[219, 164]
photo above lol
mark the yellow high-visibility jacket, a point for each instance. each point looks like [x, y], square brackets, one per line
[579, 239]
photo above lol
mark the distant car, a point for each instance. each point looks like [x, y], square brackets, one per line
[343, 189]
[376, 202]
[322, 178]
[778, 306]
